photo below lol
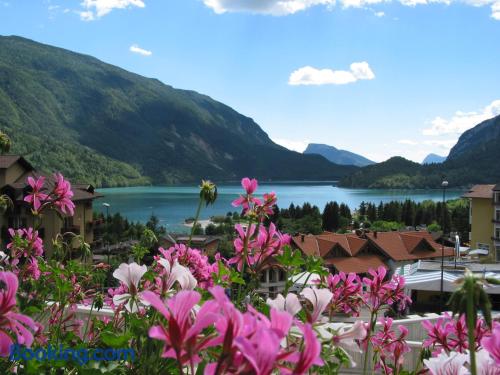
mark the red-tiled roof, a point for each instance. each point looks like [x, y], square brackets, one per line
[392, 244]
[359, 264]
[398, 246]
[480, 191]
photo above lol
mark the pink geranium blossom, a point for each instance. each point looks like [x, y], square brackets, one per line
[243, 255]
[290, 304]
[130, 275]
[35, 197]
[193, 259]
[247, 200]
[174, 272]
[25, 242]
[346, 289]
[309, 355]
[63, 195]
[319, 300]
[182, 334]
[486, 364]
[446, 364]
[492, 343]
[14, 327]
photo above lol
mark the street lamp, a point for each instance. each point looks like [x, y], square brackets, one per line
[107, 205]
[444, 185]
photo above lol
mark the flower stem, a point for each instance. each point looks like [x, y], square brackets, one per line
[471, 326]
[373, 319]
[198, 210]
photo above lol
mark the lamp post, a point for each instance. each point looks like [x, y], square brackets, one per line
[107, 205]
[444, 185]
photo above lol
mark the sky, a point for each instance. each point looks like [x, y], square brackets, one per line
[379, 78]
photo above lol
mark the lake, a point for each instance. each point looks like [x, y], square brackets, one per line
[173, 204]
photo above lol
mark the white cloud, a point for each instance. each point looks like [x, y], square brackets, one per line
[462, 121]
[286, 7]
[407, 142]
[269, 7]
[445, 144]
[293, 145]
[136, 49]
[308, 75]
[98, 8]
[379, 14]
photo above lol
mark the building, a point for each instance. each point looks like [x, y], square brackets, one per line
[14, 170]
[360, 252]
[423, 281]
[484, 219]
[209, 244]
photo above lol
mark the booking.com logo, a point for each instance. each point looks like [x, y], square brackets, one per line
[81, 355]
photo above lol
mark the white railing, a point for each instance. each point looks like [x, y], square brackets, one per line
[416, 335]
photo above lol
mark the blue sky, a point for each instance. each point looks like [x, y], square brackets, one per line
[379, 78]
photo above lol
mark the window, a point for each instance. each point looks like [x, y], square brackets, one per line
[497, 234]
[498, 253]
[497, 215]
[497, 196]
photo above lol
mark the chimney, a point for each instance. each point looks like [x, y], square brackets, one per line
[302, 237]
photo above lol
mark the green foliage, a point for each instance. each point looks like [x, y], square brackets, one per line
[99, 124]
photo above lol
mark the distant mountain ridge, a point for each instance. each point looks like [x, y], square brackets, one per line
[433, 158]
[101, 124]
[473, 160]
[333, 154]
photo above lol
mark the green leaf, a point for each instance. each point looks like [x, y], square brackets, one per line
[114, 340]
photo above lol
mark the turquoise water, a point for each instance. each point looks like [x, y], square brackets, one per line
[173, 204]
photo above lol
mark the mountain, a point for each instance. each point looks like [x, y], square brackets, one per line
[473, 160]
[433, 158]
[337, 156]
[98, 123]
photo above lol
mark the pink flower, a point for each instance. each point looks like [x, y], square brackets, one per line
[492, 343]
[444, 364]
[247, 200]
[310, 354]
[11, 322]
[25, 242]
[240, 257]
[486, 364]
[290, 304]
[32, 269]
[182, 334]
[130, 275]
[250, 185]
[346, 337]
[346, 291]
[319, 299]
[176, 272]
[197, 263]
[389, 346]
[260, 350]
[36, 197]
[380, 292]
[438, 334]
[63, 195]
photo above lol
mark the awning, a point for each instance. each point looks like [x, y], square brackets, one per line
[479, 252]
[431, 281]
